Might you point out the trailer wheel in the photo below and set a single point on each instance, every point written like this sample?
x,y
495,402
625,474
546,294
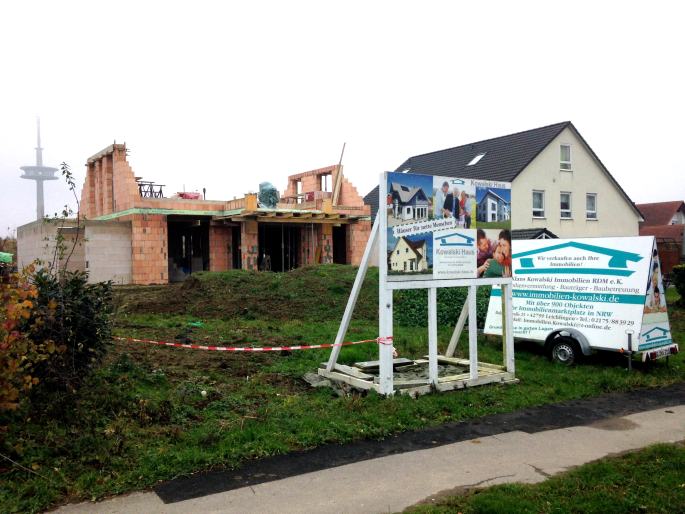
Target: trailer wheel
x,y
565,350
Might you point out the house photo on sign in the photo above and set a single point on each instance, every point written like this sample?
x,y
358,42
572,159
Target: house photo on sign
x,y
447,228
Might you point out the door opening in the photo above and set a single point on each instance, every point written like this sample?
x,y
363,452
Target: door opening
x,y
340,245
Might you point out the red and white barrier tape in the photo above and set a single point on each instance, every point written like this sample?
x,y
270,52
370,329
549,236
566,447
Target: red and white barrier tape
x,y
379,340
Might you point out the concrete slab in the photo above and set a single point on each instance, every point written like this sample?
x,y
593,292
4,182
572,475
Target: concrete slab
x,y
392,483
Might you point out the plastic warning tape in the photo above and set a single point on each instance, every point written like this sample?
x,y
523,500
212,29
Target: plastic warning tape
x,y
379,340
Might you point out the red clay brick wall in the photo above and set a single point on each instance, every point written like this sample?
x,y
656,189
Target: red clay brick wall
x,y
308,243
110,184
310,180
349,195
357,237
149,249
126,192
219,248
249,245
325,232
88,193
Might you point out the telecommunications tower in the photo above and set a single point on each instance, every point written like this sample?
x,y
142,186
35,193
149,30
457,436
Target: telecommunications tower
x,y
39,173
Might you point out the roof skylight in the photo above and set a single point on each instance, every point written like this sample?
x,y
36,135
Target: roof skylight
x,y
476,159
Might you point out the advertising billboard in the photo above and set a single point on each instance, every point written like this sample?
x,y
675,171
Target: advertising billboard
x,y
446,228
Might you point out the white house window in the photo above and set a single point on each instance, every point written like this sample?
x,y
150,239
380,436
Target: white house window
x,y
476,159
565,205
538,204
565,160
591,206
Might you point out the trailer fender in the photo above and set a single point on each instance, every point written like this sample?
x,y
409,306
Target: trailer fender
x,y
572,333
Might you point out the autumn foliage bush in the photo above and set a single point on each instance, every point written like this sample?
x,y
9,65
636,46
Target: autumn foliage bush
x,y
54,328
19,353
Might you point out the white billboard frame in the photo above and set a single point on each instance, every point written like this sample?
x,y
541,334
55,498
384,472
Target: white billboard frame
x,y
479,373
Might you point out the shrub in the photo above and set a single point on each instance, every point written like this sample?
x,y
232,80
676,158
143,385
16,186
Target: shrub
x,y
20,354
678,279
54,328
411,305
80,327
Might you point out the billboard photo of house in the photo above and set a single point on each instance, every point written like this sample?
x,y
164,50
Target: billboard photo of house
x,y
493,207
409,198
410,254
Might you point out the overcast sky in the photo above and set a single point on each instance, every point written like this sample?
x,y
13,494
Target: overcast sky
x,y
224,95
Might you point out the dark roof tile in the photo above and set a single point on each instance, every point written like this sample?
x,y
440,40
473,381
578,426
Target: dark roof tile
x,y
505,157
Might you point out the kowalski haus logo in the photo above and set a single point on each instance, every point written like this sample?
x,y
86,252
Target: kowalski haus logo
x,y
655,336
582,259
455,239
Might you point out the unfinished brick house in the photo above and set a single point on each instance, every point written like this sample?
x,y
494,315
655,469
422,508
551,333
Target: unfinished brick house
x,y
320,218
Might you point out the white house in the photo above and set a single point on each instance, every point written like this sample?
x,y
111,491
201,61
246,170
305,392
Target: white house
x,y
558,182
408,203
492,207
408,255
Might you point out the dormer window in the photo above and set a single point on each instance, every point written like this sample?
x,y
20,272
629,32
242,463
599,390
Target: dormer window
x,y
565,158
475,160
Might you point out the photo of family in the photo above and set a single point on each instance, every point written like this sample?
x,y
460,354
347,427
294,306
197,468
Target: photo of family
x,y
453,198
655,300
494,253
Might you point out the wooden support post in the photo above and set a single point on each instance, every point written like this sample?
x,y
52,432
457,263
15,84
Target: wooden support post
x,y
354,295
458,329
473,334
432,336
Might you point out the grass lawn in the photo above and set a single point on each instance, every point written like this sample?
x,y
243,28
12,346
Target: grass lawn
x,y
142,418
649,480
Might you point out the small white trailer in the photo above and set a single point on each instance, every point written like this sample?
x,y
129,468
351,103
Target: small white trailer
x,y
575,296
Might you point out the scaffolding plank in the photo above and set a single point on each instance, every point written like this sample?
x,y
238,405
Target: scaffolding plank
x,y
369,365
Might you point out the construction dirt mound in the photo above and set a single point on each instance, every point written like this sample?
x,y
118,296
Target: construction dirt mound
x,y
311,293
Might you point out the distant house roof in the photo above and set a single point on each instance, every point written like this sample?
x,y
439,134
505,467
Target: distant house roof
x,y
664,232
504,158
660,213
532,233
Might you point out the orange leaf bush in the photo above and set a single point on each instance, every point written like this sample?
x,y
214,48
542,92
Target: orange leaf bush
x,y
19,353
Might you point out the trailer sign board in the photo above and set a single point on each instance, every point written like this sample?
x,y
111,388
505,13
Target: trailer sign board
x,y
600,288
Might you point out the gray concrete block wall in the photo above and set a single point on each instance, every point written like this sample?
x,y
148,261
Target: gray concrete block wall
x,y
35,240
108,252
